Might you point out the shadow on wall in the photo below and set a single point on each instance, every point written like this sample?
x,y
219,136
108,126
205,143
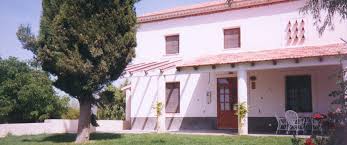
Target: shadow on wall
x,y
193,104
68,138
197,110
143,123
170,122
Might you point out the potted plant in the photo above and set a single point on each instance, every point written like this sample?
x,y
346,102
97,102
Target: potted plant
x,y
158,106
241,112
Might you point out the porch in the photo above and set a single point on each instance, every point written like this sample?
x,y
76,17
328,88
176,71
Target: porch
x,y
267,93
300,79
269,86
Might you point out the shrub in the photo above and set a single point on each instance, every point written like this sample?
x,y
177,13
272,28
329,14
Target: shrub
x,y
112,104
26,94
71,113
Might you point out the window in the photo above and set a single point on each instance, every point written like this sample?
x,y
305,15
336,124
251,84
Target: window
x,y
298,93
232,38
172,97
172,44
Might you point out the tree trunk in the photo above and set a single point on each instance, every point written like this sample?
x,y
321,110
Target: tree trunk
x,y
83,130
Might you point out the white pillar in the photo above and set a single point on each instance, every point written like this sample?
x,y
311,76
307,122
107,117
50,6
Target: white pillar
x,y
242,98
127,108
161,98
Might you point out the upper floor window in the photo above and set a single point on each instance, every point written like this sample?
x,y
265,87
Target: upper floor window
x,y
232,38
172,44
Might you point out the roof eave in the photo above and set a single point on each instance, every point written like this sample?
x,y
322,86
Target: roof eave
x,y
216,8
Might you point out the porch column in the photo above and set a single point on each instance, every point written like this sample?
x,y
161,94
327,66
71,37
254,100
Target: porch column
x,y
242,98
161,98
127,124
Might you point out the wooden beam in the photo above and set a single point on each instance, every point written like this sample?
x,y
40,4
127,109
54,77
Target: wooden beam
x,y
178,69
296,60
320,59
196,67
252,63
213,66
274,62
232,65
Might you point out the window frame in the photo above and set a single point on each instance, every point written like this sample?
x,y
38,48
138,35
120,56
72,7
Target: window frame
x,y
239,38
166,46
179,97
288,107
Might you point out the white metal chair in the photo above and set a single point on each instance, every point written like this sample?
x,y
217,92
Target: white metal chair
x,y
294,122
281,123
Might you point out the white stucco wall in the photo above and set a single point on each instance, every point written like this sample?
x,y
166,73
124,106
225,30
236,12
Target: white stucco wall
x,y
267,99
261,28
193,99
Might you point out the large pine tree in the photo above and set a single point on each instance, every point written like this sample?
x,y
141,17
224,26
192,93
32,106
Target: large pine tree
x,y
85,44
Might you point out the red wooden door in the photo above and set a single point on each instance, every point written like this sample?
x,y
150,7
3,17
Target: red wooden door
x,y
226,98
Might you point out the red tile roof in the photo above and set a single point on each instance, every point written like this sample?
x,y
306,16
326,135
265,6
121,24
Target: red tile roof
x,y
203,9
268,55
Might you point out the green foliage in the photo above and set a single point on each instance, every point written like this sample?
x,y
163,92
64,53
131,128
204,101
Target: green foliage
x,y
85,43
158,108
71,113
112,104
323,12
241,110
26,94
295,140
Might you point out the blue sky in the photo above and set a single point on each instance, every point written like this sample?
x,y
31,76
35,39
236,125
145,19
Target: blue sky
x,y
16,12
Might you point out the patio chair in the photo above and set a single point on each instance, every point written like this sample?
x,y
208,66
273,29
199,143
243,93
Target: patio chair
x,y
294,122
316,126
281,123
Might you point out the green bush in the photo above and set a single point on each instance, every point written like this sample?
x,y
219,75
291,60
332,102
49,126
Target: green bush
x,y
71,113
26,94
112,104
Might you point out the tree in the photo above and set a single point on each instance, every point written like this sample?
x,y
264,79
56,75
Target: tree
x,y
85,44
112,104
323,12
27,95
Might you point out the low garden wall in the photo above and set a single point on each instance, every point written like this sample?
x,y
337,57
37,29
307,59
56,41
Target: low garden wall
x,y
53,126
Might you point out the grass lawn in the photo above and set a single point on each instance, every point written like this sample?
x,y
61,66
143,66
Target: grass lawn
x,y
145,139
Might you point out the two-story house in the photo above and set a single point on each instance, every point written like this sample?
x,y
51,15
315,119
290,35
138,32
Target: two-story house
x,y
200,61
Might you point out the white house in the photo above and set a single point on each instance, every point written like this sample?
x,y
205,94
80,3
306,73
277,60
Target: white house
x,y
201,60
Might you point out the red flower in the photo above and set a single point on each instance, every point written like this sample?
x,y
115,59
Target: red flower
x,y
309,142
318,116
